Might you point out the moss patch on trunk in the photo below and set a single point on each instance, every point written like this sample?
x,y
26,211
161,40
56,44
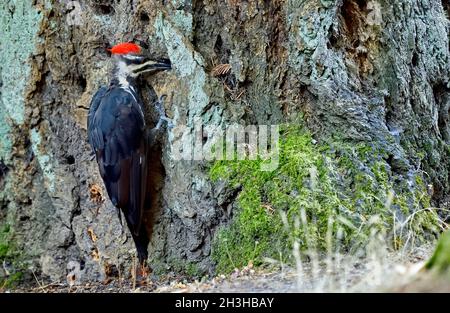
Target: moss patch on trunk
x,y
322,194
11,273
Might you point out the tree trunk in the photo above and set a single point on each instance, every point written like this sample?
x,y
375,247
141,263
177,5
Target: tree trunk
x,y
370,71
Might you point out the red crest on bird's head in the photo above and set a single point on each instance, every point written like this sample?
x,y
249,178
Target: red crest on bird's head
x,y
125,48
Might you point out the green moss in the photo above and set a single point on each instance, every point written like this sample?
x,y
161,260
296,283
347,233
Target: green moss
x,y
9,254
440,260
192,270
12,281
183,267
4,248
5,245
335,188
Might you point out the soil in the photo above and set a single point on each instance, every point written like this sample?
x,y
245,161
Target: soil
x,y
397,274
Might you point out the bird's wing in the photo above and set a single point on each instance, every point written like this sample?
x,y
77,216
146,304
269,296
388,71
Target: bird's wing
x,y
117,136
95,102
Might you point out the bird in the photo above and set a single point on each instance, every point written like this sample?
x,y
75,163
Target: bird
x,y
119,137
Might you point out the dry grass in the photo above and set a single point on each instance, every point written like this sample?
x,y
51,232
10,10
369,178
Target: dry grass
x,y
221,69
372,267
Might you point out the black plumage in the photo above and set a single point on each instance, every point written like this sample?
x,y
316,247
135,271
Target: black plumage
x,y
117,134
120,139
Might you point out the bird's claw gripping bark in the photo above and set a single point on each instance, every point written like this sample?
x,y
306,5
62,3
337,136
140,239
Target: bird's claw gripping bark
x,y
142,274
162,114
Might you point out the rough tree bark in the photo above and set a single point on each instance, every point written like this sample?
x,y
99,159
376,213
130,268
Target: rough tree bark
x,y
370,70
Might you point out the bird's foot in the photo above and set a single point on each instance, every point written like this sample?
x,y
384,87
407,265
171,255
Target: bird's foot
x,y
142,274
159,104
92,156
162,114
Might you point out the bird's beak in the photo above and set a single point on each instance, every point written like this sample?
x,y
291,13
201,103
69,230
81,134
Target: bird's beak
x,y
140,65
159,65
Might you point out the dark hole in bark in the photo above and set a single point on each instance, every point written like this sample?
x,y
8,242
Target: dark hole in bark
x,y
82,264
246,83
415,59
352,14
144,17
362,4
70,159
230,199
111,270
332,41
29,155
82,83
104,9
446,6
221,51
218,45
396,164
442,99
3,170
24,218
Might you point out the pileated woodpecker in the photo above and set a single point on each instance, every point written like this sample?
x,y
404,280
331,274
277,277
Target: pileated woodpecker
x,y
118,134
